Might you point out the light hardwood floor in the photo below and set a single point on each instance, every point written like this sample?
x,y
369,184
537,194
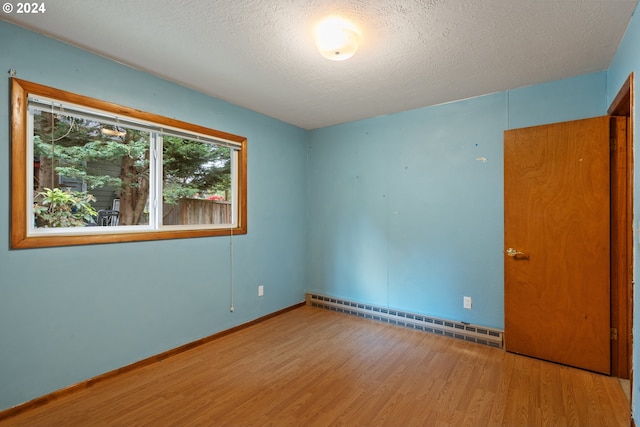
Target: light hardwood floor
x,y
314,367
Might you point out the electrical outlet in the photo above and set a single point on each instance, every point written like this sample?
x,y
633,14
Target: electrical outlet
x,y
466,302
260,290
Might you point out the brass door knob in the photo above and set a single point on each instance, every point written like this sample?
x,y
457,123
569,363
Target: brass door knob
x,y
514,252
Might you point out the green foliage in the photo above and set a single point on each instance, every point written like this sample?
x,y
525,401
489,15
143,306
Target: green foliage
x,y
75,143
193,168
58,208
78,150
92,181
172,192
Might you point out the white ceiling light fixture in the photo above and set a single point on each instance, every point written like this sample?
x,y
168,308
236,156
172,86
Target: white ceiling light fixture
x,y
337,38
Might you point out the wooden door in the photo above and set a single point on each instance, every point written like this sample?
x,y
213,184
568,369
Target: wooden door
x,y
557,293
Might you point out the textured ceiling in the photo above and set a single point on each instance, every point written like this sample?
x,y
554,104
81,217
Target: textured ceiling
x,y
260,54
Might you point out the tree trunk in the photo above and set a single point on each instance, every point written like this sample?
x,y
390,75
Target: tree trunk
x,y
46,173
134,192
143,194
128,193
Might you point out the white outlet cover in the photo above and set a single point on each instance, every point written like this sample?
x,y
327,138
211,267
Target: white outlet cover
x,y
260,290
467,302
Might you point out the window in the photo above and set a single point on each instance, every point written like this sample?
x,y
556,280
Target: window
x,y
87,171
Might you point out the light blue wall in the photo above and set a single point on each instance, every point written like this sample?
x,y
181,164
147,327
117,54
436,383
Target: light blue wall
x,y
626,61
394,210
404,212
68,314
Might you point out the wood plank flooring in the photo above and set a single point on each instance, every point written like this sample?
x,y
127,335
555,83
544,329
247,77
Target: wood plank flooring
x,y
313,367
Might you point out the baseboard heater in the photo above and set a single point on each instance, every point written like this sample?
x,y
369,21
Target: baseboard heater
x,y
460,330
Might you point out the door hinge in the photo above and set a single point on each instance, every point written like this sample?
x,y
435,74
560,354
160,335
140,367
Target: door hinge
x,y
613,334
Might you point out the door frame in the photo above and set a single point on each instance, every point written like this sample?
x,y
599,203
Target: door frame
x,y
622,236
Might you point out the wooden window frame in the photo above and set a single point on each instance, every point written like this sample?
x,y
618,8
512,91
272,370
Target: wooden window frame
x,y
20,239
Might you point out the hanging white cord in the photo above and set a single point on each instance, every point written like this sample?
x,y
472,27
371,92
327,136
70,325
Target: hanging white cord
x,y
54,139
53,148
231,308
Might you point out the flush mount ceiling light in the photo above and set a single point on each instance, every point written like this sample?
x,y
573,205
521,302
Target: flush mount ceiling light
x,y
337,38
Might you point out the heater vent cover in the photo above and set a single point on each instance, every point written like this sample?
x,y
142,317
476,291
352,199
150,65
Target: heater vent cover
x,y
460,330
